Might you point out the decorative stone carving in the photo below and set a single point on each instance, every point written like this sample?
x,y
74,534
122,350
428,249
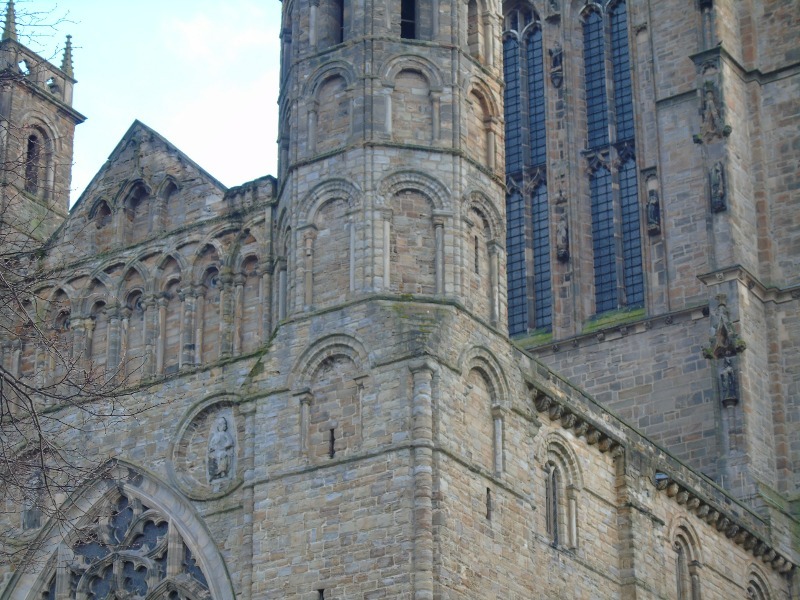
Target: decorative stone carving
x,y
729,392
718,193
712,126
562,238
556,64
653,213
128,551
724,340
31,505
206,452
221,447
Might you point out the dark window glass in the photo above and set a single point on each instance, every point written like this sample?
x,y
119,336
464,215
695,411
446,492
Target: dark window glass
x,y
543,297
631,235
408,19
623,95
605,270
32,159
535,67
594,65
515,268
513,105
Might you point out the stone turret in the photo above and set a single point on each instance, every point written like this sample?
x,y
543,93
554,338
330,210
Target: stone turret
x,y
38,124
390,160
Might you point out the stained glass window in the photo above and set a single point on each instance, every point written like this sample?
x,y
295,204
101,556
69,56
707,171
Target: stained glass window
x,y
529,287
618,269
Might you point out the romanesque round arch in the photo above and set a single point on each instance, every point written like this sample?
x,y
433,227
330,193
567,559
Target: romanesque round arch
x,y
411,62
482,359
309,362
419,181
322,74
329,189
557,448
480,203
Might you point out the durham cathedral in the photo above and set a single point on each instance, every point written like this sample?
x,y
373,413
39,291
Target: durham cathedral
x,y
518,317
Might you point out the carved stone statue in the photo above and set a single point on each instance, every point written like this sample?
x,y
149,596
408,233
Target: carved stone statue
x,y
556,64
727,381
712,122
220,451
562,238
653,213
718,193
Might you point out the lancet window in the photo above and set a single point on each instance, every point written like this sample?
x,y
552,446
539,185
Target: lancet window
x,y
527,206
616,231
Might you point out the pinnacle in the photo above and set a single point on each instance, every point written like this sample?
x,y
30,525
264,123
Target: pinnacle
x,y
10,28
66,63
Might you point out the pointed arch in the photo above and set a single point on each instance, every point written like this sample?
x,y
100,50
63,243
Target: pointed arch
x,y
141,506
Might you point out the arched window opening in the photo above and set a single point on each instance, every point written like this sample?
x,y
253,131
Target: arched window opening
x,y
756,589
616,223
529,270
33,166
140,554
408,19
687,566
595,73
553,501
137,214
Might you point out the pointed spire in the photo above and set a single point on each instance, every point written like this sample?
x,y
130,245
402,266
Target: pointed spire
x,y
66,63
10,28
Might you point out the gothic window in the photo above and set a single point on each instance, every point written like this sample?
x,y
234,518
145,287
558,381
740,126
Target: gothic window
x,y
562,483
137,214
687,579
616,229
33,160
408,19
756,589
527,206
552,501
130,550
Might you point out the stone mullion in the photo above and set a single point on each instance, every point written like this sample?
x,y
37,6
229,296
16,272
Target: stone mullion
x,y
225,313
283,291
112,341
124,341
188,320
150,323
200,299
438,230
265,301
422,441
498,435
161,349
495,251
183,328
175,551
238,312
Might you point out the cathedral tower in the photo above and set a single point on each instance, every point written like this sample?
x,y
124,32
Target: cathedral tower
x,y
37,123
390,167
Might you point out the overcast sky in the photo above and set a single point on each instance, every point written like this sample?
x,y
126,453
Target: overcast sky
x,y
203,73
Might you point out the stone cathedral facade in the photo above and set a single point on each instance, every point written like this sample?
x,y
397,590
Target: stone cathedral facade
x,y
517,318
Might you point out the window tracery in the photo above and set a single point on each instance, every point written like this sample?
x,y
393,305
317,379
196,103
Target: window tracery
x,y
616,235
129,551
527,206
